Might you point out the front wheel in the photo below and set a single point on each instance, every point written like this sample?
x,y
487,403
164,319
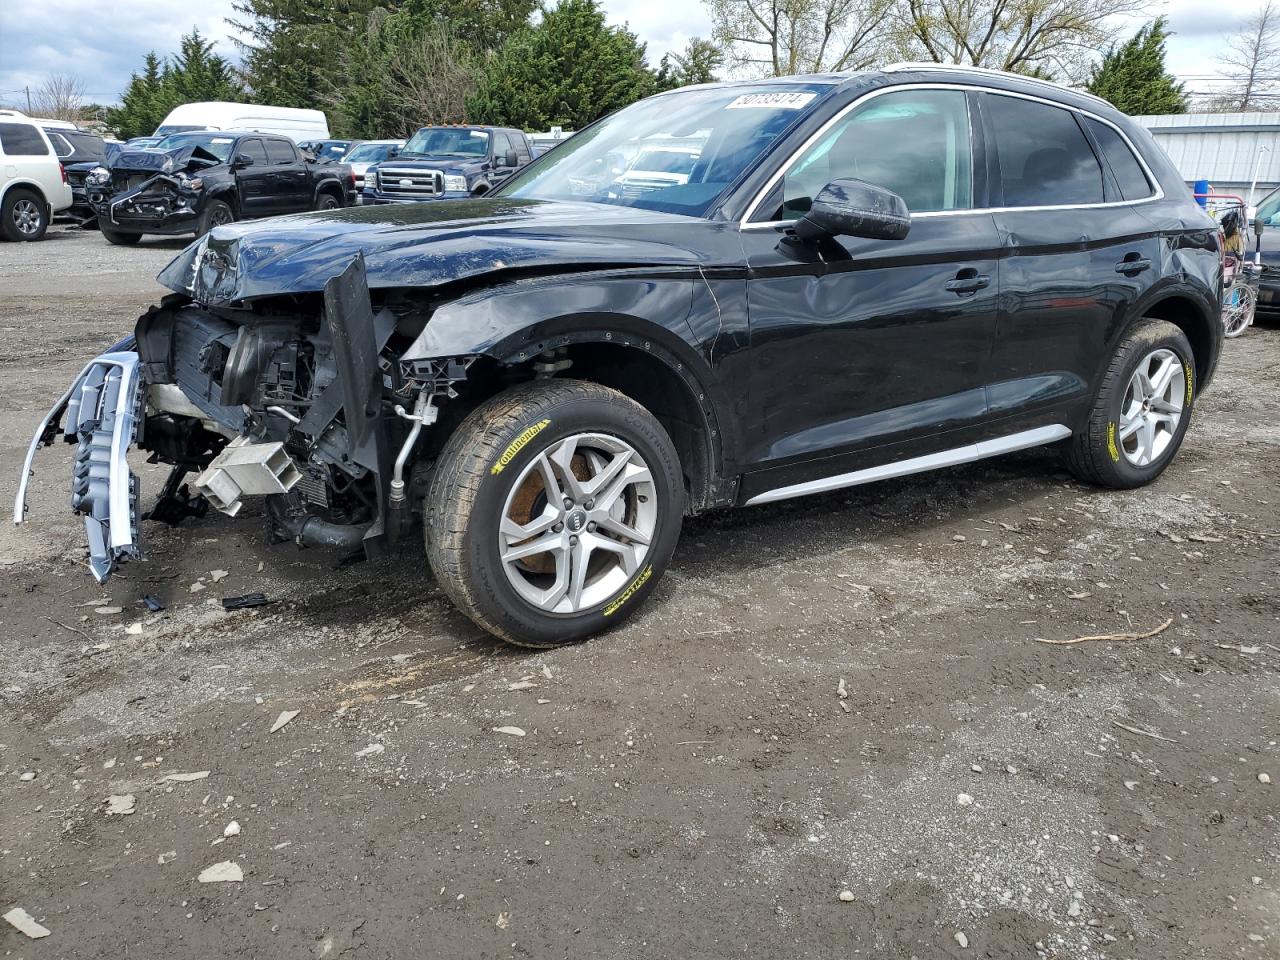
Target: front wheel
x,y
553,511
216,213
1141,411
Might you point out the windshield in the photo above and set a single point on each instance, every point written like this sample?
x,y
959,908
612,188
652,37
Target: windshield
x,y
330,149
216,144
447,142
172,128
370,153
726,127
1269,210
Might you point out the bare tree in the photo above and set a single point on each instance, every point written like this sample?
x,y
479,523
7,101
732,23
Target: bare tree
x,y
433,77
60,97
1051,38
781,37
1252,62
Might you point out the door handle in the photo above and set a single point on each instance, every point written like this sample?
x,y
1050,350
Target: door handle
x,y
1133,263
968,281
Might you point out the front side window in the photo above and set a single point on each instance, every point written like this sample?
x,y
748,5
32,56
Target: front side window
x,y
913,142
718,133
501,146
1044,157
22,140
1129,175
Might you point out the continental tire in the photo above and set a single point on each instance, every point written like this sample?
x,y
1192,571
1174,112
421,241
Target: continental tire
x,y
553,511
1141,411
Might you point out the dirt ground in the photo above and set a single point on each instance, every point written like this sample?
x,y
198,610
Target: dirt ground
x,y
691,786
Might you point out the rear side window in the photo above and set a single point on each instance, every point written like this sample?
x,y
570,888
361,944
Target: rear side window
x,y
255,149
280,151
61,145
1045,159
22,140
522,148
1133,182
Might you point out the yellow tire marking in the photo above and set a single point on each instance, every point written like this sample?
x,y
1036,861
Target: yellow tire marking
x,y
518,444
1111,443
627,594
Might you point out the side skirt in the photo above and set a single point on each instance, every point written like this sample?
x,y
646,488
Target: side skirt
x,y
945,458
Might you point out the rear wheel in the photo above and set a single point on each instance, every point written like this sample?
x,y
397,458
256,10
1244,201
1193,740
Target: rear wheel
x,y
1141,411
25,216
327,201
553,511
118,238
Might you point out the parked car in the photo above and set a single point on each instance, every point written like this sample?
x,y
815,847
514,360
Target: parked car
x,y
192,182
294,123
658,167
864,276
33,185
1267,244
327,150
441,163
361,157
79,153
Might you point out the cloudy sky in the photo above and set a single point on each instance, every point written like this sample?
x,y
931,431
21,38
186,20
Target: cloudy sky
x,y
103,41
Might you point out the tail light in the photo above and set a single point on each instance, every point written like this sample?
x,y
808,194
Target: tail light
x,y
63,168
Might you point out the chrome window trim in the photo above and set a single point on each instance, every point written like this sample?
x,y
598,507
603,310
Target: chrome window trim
x,y
745,224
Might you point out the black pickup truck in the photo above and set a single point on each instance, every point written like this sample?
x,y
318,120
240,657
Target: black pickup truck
x,y
444,163
193,182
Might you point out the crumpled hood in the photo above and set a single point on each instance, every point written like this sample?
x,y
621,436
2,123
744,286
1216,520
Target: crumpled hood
x,y
424,244
162,161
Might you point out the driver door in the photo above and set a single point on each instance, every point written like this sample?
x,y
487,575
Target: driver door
x,y
870,352
254,181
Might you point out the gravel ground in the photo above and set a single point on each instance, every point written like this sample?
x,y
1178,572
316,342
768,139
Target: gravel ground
x,y
693,785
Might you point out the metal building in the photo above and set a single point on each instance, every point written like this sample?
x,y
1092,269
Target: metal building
x,y
1229,150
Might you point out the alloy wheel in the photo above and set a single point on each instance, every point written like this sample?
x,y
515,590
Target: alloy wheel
x,y
26,217
1152,407
578,522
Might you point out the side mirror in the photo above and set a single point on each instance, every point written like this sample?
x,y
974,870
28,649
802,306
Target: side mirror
x,y
510,160
242,160
393,152
855,208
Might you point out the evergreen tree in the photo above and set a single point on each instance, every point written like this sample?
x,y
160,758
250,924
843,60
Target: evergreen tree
x,y
697,63
1132,76
569,69
193,74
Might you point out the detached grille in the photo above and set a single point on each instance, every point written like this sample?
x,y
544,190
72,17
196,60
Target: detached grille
x,y
410,184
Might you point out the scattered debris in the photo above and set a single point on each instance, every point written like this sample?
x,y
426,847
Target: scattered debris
x,y
28,776
1111,636
109,611
154,604
1264,778
1238,647
962,939
23,922
546,672
964,799
121,804
372,750
521,685
846,896
134,629
286,716
188,777
841,690
509,731
217,575
245,601
167,857
503,921
1141,732
228,871
232,829
1082,595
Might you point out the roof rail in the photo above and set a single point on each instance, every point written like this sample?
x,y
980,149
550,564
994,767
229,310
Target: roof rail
x,y
988,71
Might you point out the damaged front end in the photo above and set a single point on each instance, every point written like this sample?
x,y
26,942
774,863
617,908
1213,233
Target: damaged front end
x,y
300,400
149,191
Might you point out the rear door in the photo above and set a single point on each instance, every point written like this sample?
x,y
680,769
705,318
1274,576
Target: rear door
x,y
254,181
291,184
1077,254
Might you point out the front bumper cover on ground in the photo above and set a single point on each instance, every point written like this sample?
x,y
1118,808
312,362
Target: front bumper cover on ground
x,y
103,417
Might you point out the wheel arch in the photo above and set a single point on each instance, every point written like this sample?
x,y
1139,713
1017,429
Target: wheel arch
x,y
1203,328
26,184
332,187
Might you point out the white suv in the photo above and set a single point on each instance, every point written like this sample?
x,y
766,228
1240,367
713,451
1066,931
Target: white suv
x,y
33,184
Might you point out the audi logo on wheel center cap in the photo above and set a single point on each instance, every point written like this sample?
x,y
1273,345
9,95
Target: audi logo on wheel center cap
x,y
576,521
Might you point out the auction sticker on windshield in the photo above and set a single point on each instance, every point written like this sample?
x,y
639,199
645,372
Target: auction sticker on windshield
x,y
771,101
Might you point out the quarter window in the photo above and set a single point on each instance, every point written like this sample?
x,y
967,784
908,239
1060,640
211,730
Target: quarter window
x,y
1045,159
913,142
1132,181
22,140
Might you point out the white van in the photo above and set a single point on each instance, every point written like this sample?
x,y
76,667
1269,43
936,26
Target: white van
x,y
296,124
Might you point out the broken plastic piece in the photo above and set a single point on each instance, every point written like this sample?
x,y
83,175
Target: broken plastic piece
x,y
245,467
154,604
245,601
